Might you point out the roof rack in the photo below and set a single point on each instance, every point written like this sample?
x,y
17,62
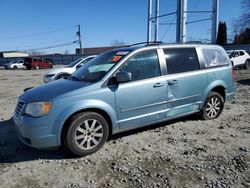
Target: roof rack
x,y
147,43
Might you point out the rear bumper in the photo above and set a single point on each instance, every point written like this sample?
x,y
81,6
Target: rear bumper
x,y
230,93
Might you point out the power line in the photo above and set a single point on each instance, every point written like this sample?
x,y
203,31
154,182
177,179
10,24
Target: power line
x,y
39,34
54,46
51,42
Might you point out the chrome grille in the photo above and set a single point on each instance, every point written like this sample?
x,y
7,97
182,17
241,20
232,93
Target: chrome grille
x,y
19,108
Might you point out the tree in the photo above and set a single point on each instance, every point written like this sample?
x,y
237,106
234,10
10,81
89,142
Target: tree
x,y
222,34
243,37
117,43
244,20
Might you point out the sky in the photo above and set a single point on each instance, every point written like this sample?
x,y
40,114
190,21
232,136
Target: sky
x,y
34,24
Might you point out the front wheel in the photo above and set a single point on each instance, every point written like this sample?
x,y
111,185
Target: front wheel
x,y
213,106
87,133
37,67
62,76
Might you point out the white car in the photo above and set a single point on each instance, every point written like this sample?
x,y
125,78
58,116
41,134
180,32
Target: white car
x,y
17,64
239,58
66,71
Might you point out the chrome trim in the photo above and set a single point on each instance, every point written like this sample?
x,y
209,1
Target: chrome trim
x,y
159,103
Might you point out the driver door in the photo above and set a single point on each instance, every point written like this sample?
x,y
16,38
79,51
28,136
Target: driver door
x,y
142,100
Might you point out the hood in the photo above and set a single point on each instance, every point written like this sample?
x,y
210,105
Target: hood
x,y
58,70
47,92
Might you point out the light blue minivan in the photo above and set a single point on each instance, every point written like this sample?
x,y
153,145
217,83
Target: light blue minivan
x,y
125,89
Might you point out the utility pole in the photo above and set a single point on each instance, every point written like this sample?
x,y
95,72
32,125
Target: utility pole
x,y
149,21
181,25
215,14
78,33
157,10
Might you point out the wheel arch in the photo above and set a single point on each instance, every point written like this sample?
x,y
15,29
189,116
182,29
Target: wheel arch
x,y
218,86
61,73
96,110
221,90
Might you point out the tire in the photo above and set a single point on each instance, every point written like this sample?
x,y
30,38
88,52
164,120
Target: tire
x,y
213,106
247,64
86,134
62,76
37,67
15,67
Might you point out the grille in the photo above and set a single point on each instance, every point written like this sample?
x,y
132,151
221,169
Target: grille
x,y
19,108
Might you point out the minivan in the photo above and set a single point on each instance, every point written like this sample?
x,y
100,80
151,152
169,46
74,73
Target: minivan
x,y
124,89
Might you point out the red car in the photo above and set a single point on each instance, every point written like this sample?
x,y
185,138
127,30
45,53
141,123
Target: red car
x,y
37,63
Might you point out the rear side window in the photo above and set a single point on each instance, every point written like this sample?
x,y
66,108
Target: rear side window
x,y
241,53
181,60
214,57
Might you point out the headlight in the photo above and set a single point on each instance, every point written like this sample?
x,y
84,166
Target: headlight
x,y
38,109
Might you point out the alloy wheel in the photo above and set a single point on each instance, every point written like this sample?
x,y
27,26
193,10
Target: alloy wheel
x,y
89,134
213,107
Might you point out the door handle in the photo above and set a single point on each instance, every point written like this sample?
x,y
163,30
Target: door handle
x,y
158,85
173,82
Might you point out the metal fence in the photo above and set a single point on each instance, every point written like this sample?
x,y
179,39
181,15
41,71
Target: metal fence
x,y
57,59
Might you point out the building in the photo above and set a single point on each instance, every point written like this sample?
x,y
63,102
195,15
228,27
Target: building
x,y
96,50
13,54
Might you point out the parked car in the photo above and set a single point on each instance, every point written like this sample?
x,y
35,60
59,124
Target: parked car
x,y
17,64
239,58
66,71
37,63
125,89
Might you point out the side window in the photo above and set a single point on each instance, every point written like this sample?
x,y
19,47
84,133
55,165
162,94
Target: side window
x,y
181,60
214,57
241,53
142,66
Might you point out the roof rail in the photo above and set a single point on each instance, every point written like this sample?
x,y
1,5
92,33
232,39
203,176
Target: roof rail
x,y
147,43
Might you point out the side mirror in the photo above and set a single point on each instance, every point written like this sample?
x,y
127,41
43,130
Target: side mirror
x,y
123,76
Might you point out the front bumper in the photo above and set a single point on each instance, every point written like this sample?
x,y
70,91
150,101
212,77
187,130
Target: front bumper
x,y
48,79
35,133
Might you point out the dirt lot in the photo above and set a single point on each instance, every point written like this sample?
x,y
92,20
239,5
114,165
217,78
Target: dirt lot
x,y
183,153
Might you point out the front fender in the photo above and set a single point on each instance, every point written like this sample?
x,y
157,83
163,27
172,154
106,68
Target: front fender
x,y
83,105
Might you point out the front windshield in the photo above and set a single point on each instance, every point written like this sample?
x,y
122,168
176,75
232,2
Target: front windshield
x,y
12,62
72,64
97,68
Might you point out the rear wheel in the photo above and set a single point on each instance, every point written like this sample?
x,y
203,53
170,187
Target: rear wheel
x,y
213,106
247,64
86,133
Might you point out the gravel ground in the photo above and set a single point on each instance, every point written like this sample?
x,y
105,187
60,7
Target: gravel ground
x,y
186,152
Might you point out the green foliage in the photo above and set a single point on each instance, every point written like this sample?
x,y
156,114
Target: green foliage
x,y
243,37
222,34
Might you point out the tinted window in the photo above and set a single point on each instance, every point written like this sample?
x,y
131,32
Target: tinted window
x,y
181,60
214,57
241,53
142,66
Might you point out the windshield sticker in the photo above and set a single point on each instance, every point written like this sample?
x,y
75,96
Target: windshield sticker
x,y
116,58
122,53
